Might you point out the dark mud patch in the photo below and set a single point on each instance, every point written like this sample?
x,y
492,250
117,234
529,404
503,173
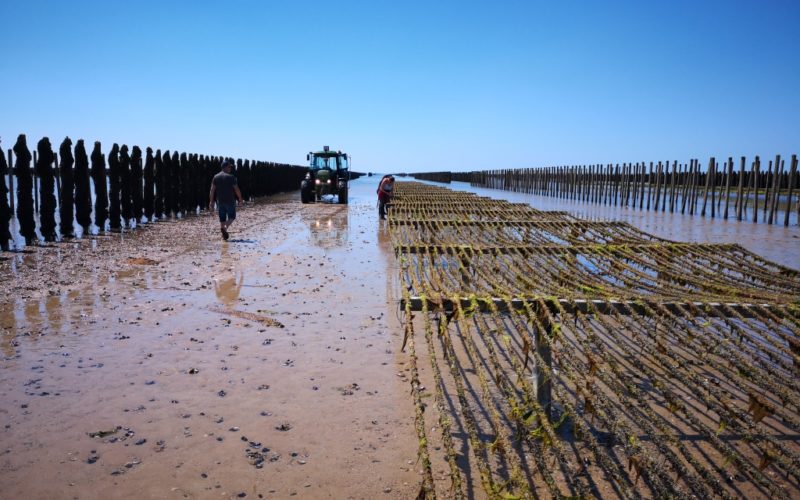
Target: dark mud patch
x,y
257,318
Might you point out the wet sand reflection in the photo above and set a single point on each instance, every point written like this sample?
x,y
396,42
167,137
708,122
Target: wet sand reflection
x,y
330,230
228,289
8,327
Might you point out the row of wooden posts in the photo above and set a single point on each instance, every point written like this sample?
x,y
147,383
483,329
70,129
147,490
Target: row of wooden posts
x,y
688,188
125,188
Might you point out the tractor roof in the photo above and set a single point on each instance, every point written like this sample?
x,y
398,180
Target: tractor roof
x,y
328,154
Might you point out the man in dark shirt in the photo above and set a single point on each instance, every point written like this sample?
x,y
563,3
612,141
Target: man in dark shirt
x,y
223,190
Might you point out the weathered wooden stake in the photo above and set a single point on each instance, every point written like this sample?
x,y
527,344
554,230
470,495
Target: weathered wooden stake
x,y
11,181
770,178
776,188
756,168
672,186
543,384
740,199
792,171
57,175
665,187
685,189
35,184
713,175
724,174
728,186
658,186
708,180
693,186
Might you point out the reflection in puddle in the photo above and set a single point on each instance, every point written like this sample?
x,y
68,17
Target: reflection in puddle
x,y
8,327
33,317
126,273
229,287
329,231
33,313
52,306
228,290
384,237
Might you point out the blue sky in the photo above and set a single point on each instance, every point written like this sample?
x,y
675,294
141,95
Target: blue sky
x,y
409,86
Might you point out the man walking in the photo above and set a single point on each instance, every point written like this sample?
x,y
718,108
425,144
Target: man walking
x,y
223,189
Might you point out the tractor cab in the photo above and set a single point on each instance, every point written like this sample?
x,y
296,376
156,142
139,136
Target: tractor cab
x,y
328,173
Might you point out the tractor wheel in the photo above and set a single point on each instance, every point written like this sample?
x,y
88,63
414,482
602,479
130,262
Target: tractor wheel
x,y
343,196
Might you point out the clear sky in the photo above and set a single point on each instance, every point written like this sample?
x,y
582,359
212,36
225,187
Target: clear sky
x,y
407,85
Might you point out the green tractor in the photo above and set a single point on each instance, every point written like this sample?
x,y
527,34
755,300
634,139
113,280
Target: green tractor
x,y
328,173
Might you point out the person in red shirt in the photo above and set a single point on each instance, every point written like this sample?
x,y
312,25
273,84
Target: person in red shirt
x,y
385,192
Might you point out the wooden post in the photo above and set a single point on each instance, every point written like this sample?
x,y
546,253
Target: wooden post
x,y
724,174
641,187
542,383
584,179
590,183
588,188
599,177
11,181
740,191
629,184
596,181
554,191
693,186
792,171
798,212
586,185
35,184
576,179
728,186
623,195
713,174
658,186
776,189
626,168
665,186
708,180
57,175
749,187
692,178
756,168
638,197
685,189
770,178
565,187
672,186
633,185
604,177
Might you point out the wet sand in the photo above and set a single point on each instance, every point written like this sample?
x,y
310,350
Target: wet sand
x,y
170,364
